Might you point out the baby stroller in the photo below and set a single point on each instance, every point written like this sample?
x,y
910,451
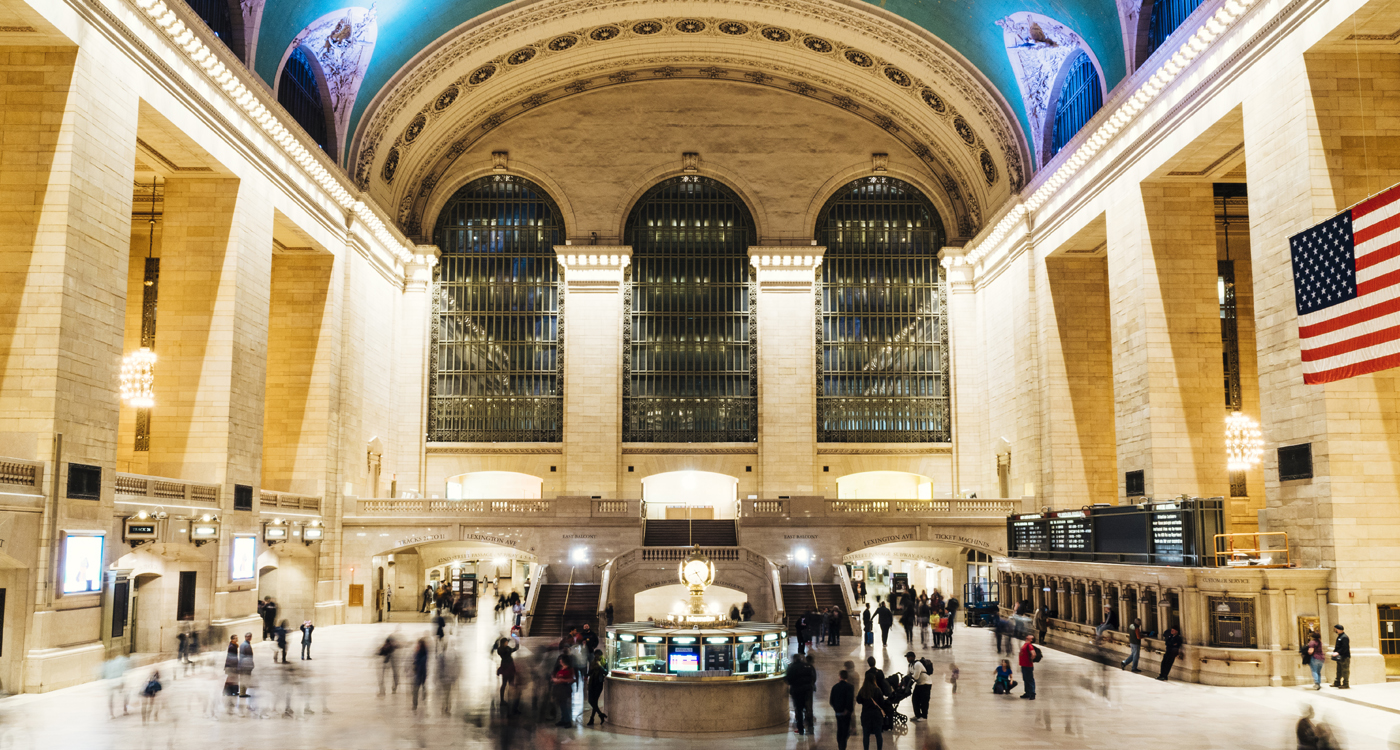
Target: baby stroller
x,y
901,687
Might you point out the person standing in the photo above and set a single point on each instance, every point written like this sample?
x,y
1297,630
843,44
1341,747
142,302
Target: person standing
x,y
306,628
561,686
1029,656
504,648
907,618
923,686
608,613
833,626
872,716
1341,651
245,665
420,671
427,599
1134,646
597,675
1172,641
923,621
843,704
886,619
747,611
867,619
952,606
801,680
448,671
280,635
1314,652
269,614
1042,621
802,635
388,664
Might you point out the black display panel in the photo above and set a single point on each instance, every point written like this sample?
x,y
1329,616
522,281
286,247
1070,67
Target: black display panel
x,y
1028,534
1071,533
719,658
1120,530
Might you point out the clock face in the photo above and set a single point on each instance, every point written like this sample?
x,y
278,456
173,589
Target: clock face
x,y
696,571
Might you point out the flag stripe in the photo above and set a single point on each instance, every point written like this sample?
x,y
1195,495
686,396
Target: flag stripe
x,y
1364,288
1379,268
1369,230
1364,341
1354,358
1351,370
1376,207
1331,325
1366,257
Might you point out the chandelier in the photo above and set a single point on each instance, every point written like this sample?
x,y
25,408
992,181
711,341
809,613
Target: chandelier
x,y
138,378
1244,443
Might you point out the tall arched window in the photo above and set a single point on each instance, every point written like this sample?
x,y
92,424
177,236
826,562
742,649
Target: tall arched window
x,y
688,363
1081,96
299,93
216,14
495,356
884,359
1167,16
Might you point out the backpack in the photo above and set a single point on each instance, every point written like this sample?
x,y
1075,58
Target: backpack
x,y
1035,654
928,664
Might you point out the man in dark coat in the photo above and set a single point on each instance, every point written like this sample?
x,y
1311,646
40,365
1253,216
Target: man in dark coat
x,y
886,619
269,615
843,704
801,680
1342,650
1173,644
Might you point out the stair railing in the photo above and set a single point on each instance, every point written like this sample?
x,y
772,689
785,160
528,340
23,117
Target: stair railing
x,y
567,590
779,611
532,598
603,589
811,589
848,595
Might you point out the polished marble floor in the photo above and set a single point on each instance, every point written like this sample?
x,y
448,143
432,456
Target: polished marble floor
x,y
1081,705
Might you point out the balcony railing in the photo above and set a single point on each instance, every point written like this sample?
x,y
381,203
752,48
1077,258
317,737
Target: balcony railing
x,y
166,491
530,508
937,508
21,484
285,501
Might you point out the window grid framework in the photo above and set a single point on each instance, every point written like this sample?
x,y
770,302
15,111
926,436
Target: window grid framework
x,y
496,355
215,13
298,93
1081,97
1167,16
883,361
689,363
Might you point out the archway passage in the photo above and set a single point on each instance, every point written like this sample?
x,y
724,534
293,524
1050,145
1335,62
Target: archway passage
x,y
673,599
689,495
413,581
491,485
953,570
884,485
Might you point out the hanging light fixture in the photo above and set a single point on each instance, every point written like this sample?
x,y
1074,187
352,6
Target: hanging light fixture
x,y
1244,442
138,378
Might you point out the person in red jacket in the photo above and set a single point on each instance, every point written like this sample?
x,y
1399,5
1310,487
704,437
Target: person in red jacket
x,y
1029,656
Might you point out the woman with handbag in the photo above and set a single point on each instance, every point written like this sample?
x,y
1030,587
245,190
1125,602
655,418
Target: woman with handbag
x,y
872,715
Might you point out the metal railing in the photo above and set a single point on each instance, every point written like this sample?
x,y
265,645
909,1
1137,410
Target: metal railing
x,y
1259,549
939,508
532,597
166,491
270,500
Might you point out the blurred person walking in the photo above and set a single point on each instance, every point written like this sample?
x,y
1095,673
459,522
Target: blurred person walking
x,y
448,672
1315,658
843,704
281,640
801,680
114,671
245,666
872,716
504,648
597,677
562,690
387,663
420,671
150,710
1134,646
886,619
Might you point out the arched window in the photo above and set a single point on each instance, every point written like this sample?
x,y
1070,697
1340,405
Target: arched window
x,y
1167,16
688,362
884,360
216,14
495,351
299,93
1081,96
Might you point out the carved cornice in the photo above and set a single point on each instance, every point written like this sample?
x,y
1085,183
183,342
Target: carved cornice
x,y
932,450
692,451
475,450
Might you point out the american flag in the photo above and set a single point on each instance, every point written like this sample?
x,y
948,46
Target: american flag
x,y
1346,280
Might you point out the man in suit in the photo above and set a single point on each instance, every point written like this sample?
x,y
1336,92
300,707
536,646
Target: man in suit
x,y
843,704
886,618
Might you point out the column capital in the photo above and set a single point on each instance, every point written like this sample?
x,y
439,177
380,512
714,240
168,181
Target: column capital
x,y
792,269
960,273
418,271
598,268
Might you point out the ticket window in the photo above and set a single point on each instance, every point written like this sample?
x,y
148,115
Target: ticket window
x,y
1389,629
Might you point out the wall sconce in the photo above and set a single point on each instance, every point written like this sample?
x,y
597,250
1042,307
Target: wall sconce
x,y
312,532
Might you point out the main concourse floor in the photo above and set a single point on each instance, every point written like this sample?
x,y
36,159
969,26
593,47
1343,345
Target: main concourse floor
x,y
1081,705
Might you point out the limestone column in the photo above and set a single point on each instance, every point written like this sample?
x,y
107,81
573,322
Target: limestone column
x,y
1318,142
68,159
1169,405
973,467
411,372
594,313
787,351
211,378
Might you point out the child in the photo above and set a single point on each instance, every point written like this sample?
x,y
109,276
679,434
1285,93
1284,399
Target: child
x,y
1003,683
953,673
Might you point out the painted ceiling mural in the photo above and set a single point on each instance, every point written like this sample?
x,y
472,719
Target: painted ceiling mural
x,y
405,28
1038,47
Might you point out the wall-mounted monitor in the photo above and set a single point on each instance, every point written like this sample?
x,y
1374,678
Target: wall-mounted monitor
x,y
82,563
243,562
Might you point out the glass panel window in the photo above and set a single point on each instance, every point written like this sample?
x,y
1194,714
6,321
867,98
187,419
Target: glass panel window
x,y
884,361
1081,96
299,93
1167,16
689,367
495,355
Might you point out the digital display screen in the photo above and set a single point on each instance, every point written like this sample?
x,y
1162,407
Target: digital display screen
x,y
206,531
142,528
243,562
311,532
82,563
276,532
685,659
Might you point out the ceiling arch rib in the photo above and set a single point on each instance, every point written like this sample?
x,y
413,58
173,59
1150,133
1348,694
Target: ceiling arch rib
x,y
910,79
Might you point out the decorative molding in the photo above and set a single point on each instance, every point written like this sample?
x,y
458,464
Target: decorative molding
x,y
18,30
167,163
933,450
593,267
442,449
689,451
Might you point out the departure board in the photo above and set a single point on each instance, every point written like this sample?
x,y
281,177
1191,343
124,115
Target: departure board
x,y
1028,534
1071,533
1169,534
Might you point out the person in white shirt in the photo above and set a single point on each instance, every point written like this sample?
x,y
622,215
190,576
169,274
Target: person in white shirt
x,y
923,686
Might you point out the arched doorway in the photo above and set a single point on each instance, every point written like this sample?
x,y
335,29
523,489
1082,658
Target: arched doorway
x,y
494,485
475,572
690,494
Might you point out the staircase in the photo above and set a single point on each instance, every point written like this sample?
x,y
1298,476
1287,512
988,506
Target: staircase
x,y
801,598
553,617
682,533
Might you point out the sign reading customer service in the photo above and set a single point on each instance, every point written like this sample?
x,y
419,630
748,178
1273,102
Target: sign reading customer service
x,y
243,561
82,563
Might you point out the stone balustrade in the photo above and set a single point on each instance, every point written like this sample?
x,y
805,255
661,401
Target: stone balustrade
x,y
21,484
502,508
165,491
937,508
274,501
